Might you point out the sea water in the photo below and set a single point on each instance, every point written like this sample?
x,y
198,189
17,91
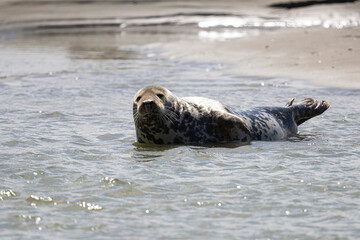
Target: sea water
x,y
70,167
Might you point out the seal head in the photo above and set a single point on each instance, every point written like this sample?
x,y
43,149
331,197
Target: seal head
x,y
154,111
162,118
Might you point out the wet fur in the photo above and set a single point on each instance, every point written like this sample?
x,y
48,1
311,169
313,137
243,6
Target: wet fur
x,y
162,118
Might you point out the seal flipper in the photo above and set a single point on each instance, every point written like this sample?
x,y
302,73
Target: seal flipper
x,y
290,102
230,127
307,108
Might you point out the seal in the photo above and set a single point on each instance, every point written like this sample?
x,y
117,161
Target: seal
x,y
161,117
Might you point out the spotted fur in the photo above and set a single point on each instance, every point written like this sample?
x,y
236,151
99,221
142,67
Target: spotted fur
x,y
162,118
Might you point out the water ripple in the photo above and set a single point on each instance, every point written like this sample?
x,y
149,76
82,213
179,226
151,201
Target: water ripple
x,y
68,151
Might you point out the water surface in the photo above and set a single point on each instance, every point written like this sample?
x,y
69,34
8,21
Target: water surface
x,y
70,167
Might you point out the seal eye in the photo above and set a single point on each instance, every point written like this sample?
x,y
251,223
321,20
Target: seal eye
x,y
159,95
138,98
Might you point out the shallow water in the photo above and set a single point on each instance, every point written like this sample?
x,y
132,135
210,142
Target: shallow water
x,y
70,167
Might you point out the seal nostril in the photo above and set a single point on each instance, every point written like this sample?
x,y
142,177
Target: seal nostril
x,y
138,98
147,106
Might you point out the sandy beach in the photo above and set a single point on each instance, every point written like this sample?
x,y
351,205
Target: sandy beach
x,y
324,53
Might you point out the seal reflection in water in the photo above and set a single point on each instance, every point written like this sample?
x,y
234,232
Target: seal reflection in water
x,y
163,118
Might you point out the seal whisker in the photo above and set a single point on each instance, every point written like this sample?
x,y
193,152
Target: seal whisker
x,y
165,119
136,117
168,117
171,113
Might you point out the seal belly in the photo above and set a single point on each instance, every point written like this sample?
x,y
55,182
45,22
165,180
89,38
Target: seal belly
x,y
270,123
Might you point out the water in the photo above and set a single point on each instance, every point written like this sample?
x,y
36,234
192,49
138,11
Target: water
x,y
70,167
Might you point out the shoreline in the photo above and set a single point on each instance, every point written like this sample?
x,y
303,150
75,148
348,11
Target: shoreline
x,y
323,56
305,54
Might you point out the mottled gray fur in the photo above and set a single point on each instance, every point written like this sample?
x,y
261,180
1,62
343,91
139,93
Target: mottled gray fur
x,y
162,118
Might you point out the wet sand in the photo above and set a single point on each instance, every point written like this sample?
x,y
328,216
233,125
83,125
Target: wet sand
x,y
324,56
327,57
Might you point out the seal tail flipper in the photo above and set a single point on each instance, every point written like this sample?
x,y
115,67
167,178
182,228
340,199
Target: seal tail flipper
x,y
307,108
290,102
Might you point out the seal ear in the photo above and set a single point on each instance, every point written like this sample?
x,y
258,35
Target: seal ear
x,y
230,127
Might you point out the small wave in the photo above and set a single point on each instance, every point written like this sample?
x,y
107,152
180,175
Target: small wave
x,y
90,206
55,114
205,20
213,20
333,21
114,181
108,136
18,143
6,194
33,199
80,140
28,218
